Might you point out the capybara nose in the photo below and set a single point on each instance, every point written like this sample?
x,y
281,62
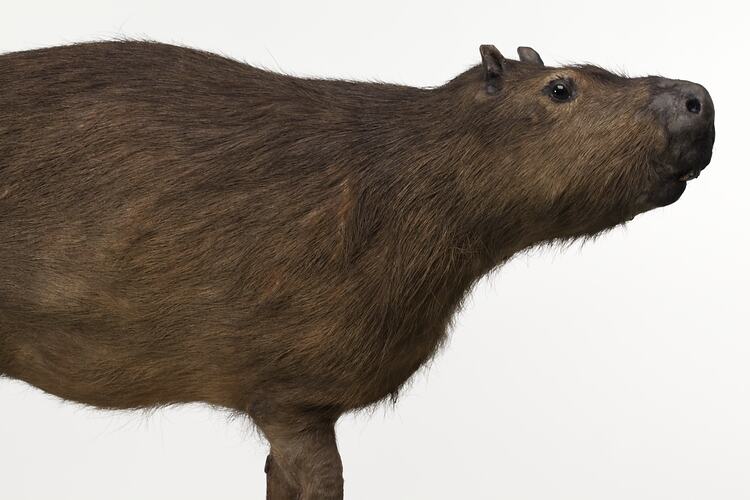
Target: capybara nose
x,y
696,100
687,113
685,106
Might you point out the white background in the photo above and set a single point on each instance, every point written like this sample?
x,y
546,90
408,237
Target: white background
x,y
619,369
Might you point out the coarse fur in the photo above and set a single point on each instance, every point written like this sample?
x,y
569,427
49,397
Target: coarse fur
x,y
181,227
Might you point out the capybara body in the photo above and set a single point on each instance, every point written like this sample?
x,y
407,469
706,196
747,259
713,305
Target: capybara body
x,y
177,226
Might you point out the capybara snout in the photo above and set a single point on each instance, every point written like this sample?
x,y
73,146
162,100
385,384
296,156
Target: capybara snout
x,y
686,111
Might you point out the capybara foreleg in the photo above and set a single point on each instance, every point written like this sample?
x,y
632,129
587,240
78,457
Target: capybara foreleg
x,y
278,485
304,458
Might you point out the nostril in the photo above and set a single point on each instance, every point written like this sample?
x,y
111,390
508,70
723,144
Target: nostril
x,y
693,105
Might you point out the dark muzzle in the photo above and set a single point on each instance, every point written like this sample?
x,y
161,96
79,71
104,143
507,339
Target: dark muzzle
x,y
687,113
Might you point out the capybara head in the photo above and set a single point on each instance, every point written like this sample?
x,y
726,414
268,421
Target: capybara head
x,y
580,149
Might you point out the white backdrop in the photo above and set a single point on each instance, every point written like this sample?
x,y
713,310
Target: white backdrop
x,y
615,370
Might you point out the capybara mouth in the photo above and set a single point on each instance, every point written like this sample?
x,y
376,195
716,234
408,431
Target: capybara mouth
x,y
668,192
693,174
685,174
688,165
672,181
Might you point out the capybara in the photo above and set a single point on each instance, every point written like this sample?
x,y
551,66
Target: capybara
x,y
178,226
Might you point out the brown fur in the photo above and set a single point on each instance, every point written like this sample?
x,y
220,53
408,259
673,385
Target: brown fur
x,y
177,226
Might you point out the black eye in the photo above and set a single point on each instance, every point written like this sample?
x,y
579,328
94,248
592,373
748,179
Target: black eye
x,y
560,92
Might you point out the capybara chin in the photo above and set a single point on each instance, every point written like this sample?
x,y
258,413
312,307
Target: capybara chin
x,y
177,226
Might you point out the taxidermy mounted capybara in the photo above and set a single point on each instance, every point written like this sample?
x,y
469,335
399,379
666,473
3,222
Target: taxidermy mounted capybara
x,y
181,227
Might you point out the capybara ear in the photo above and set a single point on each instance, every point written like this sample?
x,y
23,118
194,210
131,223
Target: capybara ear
x,y
492,63
529,55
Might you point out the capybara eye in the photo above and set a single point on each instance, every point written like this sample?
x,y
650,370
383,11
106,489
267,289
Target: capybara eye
x,y
560,92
